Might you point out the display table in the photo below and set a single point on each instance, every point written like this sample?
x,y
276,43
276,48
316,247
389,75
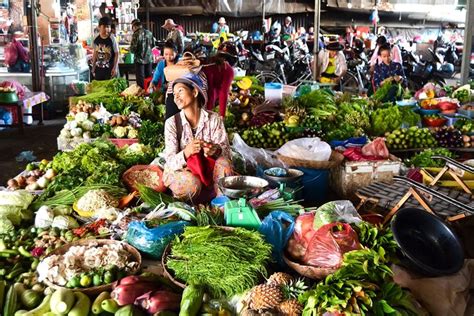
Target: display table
x,y
30,100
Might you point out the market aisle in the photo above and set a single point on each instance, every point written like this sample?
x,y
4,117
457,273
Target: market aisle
x,y
39,139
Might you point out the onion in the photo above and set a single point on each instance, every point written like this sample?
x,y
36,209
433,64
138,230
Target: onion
x,y
21,180
31,180
12,184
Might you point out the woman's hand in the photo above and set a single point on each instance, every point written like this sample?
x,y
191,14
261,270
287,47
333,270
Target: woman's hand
x,y
211,150
192,148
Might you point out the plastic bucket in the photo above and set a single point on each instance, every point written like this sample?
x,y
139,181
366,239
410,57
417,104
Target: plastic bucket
x,y
315,184
220,201
273,91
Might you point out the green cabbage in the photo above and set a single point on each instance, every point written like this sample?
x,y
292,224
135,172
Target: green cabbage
x,y
5,225
14,205
64,222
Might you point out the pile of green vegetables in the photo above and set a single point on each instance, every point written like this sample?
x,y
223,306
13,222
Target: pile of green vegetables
x,y
152,133
413,137
225,262
391,117
363,285
105,92
424,160
99,162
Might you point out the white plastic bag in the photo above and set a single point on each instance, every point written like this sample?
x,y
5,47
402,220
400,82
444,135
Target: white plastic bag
x,y
254,156
307,149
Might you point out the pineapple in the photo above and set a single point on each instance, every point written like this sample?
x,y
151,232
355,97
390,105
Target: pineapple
x,y
249,312
290,308
265,296
294,289
280,279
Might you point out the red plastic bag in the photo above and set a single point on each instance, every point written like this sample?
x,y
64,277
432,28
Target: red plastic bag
x,y
355,154
327,246
376,148
302,235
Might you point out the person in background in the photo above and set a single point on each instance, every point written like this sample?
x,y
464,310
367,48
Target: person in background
x,y
222,26
387,68
141,46
288,28
17,57
11,29
332,63
220,74
349,37
193,131
170,57
396,54
175,34
106,52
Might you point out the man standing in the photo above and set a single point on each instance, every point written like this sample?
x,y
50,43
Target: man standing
x,y
222,26
175,34
106,52
141,46
288,28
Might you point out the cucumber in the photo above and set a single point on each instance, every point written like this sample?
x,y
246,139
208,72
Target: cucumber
x,y
109,305
96,308
11,302
82,306
62,301
42,309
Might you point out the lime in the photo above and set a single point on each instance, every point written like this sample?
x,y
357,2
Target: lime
x,y
85,281
108,277
96,280
75,282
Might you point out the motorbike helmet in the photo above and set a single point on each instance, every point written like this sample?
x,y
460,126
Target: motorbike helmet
x,y
228,50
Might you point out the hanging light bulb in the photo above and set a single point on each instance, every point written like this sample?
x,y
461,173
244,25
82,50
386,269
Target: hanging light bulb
x,y
349,4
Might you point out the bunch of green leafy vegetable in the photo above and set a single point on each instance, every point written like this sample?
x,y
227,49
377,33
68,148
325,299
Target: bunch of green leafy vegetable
x,y
385,119
362,286
226,262
424,160
319,103
409,117
375,237
355,114
136,154
388,92
115,85
151,133
99,162
144,107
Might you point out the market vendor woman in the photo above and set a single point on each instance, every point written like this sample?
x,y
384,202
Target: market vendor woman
x,y
190,134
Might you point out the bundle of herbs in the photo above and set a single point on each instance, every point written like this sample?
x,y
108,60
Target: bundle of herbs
x,y
225,261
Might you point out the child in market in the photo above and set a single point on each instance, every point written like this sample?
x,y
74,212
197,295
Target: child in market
x,y
106,52
170,53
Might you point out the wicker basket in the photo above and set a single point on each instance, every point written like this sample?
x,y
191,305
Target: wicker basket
x,y
132,184
311,272
96,289
167,273
334,160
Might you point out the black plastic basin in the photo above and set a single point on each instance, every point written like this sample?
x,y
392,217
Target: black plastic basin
x,y
427,244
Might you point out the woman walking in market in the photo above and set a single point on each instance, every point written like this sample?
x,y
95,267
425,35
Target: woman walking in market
x,y
170,54
217,77
106,52
197,148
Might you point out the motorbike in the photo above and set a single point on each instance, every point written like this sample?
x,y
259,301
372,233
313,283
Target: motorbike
x,y
419,71
357,77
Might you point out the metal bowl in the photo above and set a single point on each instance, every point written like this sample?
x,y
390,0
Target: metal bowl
x,y
239,186
292,176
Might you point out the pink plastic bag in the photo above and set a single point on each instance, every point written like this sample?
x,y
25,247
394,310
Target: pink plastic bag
x,y
302,235
327,246
376,148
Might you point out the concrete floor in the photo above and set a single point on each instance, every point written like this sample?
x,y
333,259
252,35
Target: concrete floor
x,y
39,139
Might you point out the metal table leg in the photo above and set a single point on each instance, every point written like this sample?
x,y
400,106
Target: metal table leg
x,y
20,118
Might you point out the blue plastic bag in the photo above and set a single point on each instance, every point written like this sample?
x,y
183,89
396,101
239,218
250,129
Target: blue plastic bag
x,y
351,142
153,241
277,229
